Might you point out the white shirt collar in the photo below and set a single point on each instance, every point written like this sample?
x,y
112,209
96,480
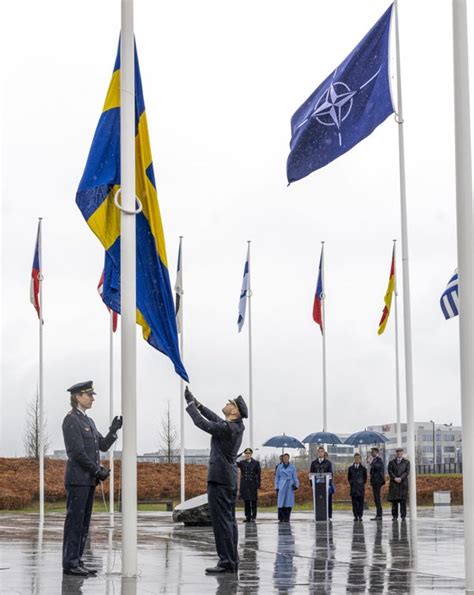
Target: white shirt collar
x,y
81,410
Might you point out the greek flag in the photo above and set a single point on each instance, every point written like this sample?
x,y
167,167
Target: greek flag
x,y
244,292
450,300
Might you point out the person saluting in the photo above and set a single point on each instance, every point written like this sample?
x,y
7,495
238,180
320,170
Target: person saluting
x,y
83,472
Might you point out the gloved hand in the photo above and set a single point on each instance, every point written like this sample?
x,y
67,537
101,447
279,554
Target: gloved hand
x,y
102,474
294,487
277,492
190,398
116,424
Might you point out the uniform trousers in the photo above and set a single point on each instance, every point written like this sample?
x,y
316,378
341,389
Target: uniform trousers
x,y
80,500
358,506
376,488
222,499
250,509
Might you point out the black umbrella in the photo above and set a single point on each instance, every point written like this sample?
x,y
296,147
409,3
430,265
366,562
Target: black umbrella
x,y
283,441
322,438
366,437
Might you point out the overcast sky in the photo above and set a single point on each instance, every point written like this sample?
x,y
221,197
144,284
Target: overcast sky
x,y
221,81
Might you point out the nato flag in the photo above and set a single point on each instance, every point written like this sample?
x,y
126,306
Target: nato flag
x,y
345,108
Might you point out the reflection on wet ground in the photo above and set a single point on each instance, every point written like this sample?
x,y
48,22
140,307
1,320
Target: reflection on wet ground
x,y
300,557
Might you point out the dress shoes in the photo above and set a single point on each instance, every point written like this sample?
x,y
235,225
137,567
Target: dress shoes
x,y
220,570
376,518
82,572
90,571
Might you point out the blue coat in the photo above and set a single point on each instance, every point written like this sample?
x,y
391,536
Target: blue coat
x,y
285,479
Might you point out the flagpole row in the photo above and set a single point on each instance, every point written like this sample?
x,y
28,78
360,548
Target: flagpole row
x,y
249,298
40,381
464,212
397,355
111,416
128,292
406,285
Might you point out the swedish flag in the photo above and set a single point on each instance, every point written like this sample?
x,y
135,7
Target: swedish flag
x,y
95,199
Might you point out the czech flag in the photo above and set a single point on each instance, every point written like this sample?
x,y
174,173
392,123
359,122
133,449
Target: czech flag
x,y
319,295
36,274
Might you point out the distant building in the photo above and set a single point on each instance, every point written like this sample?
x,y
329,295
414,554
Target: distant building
x,y
434,443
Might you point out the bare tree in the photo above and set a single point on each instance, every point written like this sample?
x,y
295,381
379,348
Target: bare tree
x,y
31,439
168,437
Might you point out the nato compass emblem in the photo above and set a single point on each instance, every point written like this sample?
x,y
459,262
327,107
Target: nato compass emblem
x,y
335,104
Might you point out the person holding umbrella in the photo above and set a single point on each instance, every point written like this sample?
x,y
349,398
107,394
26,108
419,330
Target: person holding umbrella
x,y
250,482
286,482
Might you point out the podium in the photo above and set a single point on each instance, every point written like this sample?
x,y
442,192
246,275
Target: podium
x,y
320,482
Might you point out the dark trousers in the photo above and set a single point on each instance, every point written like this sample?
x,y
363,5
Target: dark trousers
x,y
222,499
329,506
358,506
403,508
376,488
250,509
80,500
284,514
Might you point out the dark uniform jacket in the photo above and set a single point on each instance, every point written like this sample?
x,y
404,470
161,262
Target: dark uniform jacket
x,y
357,479
225,444
377,472
250,479
83,443
398,491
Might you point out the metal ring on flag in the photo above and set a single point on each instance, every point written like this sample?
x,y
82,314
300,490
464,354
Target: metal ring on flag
x,y
119,206
398,119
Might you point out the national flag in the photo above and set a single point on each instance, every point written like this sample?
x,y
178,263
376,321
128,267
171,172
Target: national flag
x,y
450,298
244,292
36,274
351,102
178,288
319,295
100,289
95,199
388,296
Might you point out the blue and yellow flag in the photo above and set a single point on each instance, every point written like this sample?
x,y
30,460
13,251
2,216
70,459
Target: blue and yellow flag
x,y
95,199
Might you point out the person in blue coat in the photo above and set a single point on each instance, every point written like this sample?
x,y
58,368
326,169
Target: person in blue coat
x,y
286,482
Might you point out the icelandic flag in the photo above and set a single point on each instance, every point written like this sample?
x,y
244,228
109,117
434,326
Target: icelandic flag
x,y
346,107
319,295
244,293
100,289
36,274
178,288
450,299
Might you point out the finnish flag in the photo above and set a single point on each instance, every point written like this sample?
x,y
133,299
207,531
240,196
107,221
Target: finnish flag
x,y
244,292
450,300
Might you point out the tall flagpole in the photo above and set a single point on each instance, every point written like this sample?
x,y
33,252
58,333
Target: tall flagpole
x,y
128,293
249,297
181,381
397,356
323,313
111,416
406,285
465,269
40,388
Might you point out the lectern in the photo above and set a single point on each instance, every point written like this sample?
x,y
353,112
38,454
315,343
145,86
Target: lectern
x,y
320,483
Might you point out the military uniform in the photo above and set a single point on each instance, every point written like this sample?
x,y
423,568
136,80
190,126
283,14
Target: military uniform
x,y
222,478
83,442
250,482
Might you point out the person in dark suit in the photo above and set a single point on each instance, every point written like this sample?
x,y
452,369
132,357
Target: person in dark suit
x,y
83,472
398,471
357,478
377,480
250,482
323,465
222,474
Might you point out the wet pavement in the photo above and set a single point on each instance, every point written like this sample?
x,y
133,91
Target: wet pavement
x,y
300,557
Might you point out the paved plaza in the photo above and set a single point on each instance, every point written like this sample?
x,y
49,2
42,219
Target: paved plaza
x,y
301,557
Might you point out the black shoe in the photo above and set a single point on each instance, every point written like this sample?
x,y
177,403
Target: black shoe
x,y
360,519
395,519
90,571
220,570
246,520
82,572
404,518
356,518
376,518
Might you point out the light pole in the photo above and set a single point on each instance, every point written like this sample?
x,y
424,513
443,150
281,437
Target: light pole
x,y
434,443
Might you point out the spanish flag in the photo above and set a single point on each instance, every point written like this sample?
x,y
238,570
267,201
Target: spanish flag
x,y
95,199
388,296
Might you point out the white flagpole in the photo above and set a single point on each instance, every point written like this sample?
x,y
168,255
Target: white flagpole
x,y
397,357
406,285
41,400
128,293
181,382
465,269
111,416
249,299
323,315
